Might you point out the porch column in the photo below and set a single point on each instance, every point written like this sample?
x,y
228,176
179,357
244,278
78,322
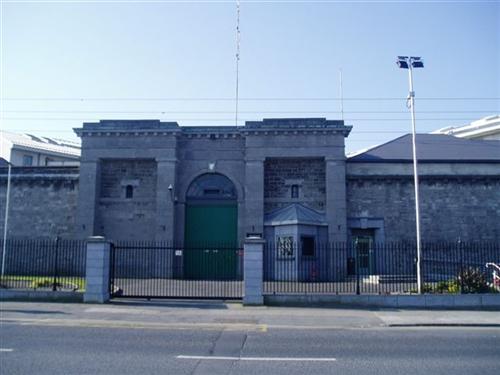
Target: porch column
x,y
97,270
253,271
254,197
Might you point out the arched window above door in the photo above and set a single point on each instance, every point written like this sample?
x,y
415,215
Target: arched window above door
x,y
211,186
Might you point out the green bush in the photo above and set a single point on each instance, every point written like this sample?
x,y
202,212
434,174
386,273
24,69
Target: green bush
x,y
473,280
448,286
427,288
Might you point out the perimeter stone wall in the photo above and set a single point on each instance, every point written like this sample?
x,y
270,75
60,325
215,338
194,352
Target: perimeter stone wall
x,y
451,207
43,201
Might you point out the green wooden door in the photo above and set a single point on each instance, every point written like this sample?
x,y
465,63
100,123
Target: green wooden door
x,y
210,241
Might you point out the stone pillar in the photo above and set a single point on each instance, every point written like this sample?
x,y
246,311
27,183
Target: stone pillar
x,y
97,270
336,215
254,197
165,199
253,266
336,200
88,198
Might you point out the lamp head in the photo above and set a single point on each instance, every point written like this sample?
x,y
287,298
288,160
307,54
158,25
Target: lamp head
x,y
416,62
402,62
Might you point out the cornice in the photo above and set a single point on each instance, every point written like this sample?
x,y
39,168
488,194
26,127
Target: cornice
x,y
138,128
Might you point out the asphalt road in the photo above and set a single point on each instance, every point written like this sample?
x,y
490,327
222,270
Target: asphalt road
x,y
51,348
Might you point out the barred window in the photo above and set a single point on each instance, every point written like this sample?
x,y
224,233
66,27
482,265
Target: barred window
x,y
285,247
129,192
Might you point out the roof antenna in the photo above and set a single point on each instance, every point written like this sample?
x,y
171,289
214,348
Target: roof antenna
x,y
237,57
341,97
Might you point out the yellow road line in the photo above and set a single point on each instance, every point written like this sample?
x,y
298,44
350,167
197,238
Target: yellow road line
x,y
93,323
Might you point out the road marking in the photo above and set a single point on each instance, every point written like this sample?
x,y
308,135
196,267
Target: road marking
x,y
91,323
6,350
276,359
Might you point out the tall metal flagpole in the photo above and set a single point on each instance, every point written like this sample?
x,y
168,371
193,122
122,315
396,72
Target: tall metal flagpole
x,y
415,174
237,58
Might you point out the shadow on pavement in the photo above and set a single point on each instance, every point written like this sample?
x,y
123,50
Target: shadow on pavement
x,y
198,304
35,312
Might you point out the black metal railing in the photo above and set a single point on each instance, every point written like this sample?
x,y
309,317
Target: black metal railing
x,y
164,270
388,268
43,264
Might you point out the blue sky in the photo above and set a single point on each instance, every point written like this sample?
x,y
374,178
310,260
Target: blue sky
x,y
127,53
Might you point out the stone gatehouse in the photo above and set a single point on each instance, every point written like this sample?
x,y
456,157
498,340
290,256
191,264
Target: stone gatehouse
x,y
158,181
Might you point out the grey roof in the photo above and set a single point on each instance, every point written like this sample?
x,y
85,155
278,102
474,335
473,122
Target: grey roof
x,y
295,214
432,148
3,163
36,143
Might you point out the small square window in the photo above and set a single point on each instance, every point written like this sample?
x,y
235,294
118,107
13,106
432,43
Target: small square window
x,y
308,246
129,192
295,191
27,160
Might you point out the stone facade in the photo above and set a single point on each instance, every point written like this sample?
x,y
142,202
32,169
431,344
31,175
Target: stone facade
x,y
308,153
134,176
289,181
127,204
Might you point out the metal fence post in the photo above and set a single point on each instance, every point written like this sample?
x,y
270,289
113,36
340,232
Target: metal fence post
x,y
54,284
356,266
461,271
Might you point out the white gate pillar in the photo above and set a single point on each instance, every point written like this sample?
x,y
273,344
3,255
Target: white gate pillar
x,y
253,271
97,270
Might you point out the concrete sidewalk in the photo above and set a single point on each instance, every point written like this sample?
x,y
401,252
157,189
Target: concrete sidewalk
x,y
220,315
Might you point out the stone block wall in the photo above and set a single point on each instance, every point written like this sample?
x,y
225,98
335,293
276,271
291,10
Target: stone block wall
x,y
281,174
451,207
122,217
43,201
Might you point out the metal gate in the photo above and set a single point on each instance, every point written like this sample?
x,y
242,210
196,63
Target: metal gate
x,y
160,270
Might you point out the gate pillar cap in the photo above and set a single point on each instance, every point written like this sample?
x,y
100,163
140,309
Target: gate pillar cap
x,y
254,239
97,239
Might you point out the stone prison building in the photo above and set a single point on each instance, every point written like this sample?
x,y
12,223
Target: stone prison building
x,y
283,179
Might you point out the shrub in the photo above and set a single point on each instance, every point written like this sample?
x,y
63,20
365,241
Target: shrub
x,y
427,288
473,280
448,286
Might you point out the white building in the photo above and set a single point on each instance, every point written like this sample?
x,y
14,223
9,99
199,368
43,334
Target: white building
x,y
28,150
487,128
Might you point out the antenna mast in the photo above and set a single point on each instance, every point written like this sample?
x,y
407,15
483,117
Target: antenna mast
x,y
341,97
237,58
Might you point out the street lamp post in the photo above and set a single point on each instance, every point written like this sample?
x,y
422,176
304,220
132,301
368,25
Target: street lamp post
x,y
410,62
6,220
